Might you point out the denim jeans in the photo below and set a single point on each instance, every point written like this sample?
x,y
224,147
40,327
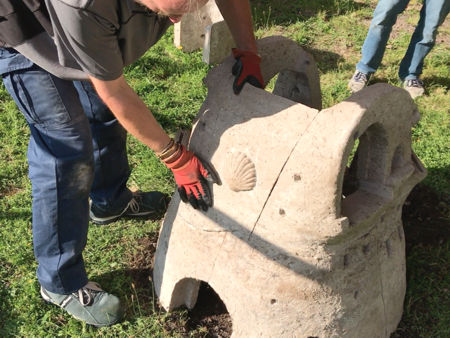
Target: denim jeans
x,y
432,15
77,149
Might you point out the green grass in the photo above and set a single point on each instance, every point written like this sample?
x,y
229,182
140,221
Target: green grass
x,y
170,82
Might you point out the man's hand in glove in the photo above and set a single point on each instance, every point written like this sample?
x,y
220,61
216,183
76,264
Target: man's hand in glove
x,y
246,69
191,176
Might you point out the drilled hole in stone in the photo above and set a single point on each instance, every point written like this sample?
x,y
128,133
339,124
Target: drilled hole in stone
x,y
297,177
346,261
211,313
365,249
273,301
282,212
388,247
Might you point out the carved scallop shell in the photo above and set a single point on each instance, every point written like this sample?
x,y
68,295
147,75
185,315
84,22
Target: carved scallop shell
x,y
240,172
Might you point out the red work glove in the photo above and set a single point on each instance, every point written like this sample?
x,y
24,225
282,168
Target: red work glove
x,y
191,177
246,69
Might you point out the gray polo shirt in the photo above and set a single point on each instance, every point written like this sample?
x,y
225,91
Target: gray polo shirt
x,y
100,37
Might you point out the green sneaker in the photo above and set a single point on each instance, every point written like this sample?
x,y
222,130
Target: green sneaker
x,y
143,204
89,304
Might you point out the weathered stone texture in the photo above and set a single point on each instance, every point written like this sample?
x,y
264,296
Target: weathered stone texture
x,y
218,43
293,257
190,31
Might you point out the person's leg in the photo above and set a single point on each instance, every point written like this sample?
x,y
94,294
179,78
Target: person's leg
x,y
384,17
432,15
111,199
61,171
109,191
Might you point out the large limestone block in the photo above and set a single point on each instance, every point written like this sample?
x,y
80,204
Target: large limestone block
x,y
189,33
285,250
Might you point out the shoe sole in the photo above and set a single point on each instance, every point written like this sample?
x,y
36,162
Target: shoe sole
x,y
103,221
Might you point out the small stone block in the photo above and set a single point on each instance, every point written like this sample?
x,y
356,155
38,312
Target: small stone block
x,y
218,43
189,33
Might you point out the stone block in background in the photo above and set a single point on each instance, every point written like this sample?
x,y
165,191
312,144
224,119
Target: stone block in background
x,y
218,43
190,31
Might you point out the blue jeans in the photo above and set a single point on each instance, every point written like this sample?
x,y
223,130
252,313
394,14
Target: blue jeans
x,y
77,149
432,15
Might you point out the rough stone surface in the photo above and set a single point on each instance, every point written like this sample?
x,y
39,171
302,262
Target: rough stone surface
x,y
218,43
293,256
298,75
189,33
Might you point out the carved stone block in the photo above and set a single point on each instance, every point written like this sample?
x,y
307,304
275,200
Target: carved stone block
x,y
292,254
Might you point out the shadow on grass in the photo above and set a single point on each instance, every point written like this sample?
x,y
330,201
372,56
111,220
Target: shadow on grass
x,y
437,80
326,61
426,218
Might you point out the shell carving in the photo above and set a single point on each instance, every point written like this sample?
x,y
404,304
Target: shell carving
x,y
240,172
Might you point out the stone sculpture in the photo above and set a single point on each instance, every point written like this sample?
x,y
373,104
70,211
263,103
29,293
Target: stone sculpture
x,y
286,249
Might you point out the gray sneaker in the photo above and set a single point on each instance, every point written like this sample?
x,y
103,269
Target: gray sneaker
x,y
414,87
89,304
358,81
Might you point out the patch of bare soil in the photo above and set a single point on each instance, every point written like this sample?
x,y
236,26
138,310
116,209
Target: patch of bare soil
x,y
210,312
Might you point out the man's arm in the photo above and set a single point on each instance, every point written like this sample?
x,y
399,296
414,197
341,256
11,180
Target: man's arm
x,y
131,112
238,16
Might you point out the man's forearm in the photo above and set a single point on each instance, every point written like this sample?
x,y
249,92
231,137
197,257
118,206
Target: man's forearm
x,y
131,112
238,16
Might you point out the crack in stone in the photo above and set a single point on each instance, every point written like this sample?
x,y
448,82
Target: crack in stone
x,y
279,174
218,253
382,290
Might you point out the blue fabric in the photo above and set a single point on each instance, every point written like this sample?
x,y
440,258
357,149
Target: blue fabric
x,y
10,61
73,136
432,15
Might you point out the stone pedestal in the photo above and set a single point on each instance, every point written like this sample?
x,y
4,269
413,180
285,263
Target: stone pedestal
x,y
288,252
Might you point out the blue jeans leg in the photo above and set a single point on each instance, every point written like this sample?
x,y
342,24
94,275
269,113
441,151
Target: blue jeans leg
x,y
384,17
432,15
109,191
61,172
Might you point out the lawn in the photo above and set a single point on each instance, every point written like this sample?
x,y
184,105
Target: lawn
x,y
119,256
